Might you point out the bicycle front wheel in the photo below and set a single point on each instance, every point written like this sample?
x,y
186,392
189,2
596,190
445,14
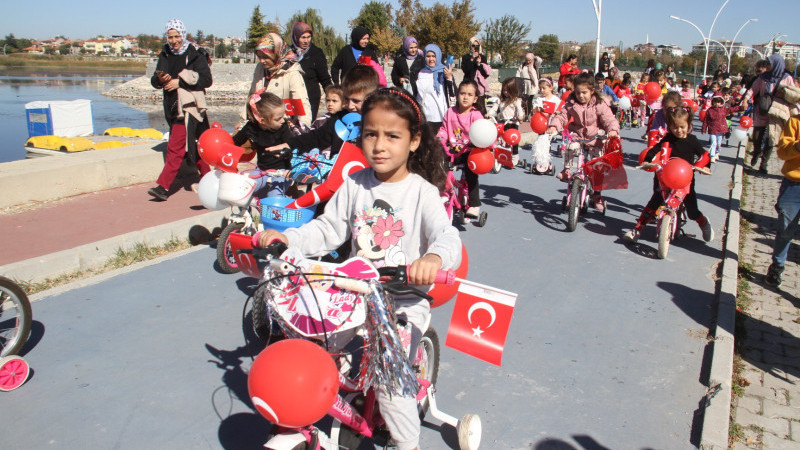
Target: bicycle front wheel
x,y
225,257
15,317
574,204
426,364
664,235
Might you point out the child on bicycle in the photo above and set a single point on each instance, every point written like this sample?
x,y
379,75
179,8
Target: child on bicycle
x,y
509,112
454,136
658,122
638,91
589,114
546,94
684,145
266,126
392,213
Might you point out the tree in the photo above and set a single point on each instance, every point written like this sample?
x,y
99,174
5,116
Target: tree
x,y
373,16
12,46
448,27
547,47
63,49
506,37
257,29
385,40
200,37
325,37
221,50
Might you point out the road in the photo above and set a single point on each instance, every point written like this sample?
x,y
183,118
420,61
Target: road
x,y
606,347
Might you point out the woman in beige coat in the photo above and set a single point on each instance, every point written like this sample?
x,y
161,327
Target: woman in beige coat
x,y
528,83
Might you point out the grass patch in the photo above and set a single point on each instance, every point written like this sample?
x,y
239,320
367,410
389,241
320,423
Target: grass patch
x,y
72,63
123,258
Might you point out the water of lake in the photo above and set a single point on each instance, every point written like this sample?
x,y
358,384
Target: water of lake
x,y
17,90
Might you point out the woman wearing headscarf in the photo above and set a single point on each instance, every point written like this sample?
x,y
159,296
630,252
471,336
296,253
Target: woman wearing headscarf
x,y
349,54
604,64
408,59
528,83
182,73
313,63
279,72
762,93
432,86
476,67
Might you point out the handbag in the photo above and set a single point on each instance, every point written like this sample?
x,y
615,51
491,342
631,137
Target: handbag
x,y
764,101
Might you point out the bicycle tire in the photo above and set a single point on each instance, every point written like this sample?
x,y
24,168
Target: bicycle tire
x,y
574,205
225,258
429,345
664,235
13,298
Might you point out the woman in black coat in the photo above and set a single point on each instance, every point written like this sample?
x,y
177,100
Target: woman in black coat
x,y
313,63
349,54
407,61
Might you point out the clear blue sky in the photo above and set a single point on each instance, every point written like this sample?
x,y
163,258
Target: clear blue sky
x,y
629,21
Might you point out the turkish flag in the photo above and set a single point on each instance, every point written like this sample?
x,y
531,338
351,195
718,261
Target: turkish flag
x,y
551,107
349,160
503,156
481,317
607,172
294,107
245,262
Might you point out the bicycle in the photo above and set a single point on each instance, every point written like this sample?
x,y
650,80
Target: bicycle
x,y
625,118
15,327
579,189
457,192
321,302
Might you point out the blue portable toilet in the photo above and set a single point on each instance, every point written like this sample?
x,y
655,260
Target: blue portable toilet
x,y
59,118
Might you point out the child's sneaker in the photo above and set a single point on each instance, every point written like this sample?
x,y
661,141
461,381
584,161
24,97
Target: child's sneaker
x,y
598,202
563,175
515,160
474,211
631,236
773,276
708,232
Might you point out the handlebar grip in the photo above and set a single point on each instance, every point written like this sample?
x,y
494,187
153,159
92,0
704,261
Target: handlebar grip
x,y
447,277
351,284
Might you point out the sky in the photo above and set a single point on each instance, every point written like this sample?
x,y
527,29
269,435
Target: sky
x,y
629,21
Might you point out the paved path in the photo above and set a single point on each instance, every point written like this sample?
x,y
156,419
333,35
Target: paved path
x,y
769,411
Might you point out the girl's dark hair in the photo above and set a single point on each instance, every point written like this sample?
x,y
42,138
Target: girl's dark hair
x,y
427,160
586,79
673,97
268,103
763,64
571,57
510,86
626,76
474,85
676,113
570,78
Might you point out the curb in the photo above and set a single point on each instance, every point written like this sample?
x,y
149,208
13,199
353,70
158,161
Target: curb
x,y
97,253
717,401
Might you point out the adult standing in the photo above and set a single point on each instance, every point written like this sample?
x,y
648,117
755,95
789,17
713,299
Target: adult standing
x,y
348,56
605,64
762,93
528,82
568,67
182,73
408,59
476,67
313,63
279,72
433,87
651,67
722,71
671,75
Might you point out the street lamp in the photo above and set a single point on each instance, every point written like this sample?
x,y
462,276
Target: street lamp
x,y
705,39
730,51
598,11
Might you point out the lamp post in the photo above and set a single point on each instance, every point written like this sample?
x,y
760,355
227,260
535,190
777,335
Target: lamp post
x,y
705,39
730,51
598,11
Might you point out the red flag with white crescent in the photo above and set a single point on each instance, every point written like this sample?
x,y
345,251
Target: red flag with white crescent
x,y
294,107
607,172
550,107
503,156
481,317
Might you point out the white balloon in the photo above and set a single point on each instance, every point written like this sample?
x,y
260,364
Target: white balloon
x,y
738,136
482,133
236,189
624,103
208,190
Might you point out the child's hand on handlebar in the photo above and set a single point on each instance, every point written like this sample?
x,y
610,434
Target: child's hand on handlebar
x,y
423,271
551,130
266,237
277,148
612,134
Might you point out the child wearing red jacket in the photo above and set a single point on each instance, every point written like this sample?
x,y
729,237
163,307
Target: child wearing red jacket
x,y
715,123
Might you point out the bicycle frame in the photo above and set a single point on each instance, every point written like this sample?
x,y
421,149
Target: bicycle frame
x,y
579,172
456,191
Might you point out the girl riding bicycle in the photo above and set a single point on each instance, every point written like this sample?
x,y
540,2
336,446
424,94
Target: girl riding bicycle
x,y
589,114
454,136
392,213
683,145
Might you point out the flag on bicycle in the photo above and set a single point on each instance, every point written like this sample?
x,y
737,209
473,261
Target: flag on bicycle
x,y
551,107
480,321
607,172
503,156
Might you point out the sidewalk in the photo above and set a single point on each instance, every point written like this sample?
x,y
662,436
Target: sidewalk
x,y
768,331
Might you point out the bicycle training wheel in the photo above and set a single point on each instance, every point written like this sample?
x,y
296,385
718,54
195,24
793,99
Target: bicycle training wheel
x,y
664,235
426,364
225,257
15,317
574,205
14,371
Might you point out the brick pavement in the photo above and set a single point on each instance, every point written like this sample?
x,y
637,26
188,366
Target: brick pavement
x,y
769,330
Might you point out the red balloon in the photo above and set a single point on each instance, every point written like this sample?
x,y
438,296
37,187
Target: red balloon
x,y
652,91
216,125
676,173
702,115
229,157
443,293
512,136
210,145
539,123
745,122
480,161
293,383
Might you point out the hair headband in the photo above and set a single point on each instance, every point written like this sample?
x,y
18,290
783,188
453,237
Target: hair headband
x,y
410,100
254,99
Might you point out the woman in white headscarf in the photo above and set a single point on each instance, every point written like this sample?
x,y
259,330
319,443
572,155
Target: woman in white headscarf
x,y
183,74
528,79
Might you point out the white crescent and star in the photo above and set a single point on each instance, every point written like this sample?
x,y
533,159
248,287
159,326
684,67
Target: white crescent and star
x,y
477,331
224,162
266,408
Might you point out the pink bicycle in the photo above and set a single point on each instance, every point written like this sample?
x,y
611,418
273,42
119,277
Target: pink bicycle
x,y
331,305
15,326
457,192
579,185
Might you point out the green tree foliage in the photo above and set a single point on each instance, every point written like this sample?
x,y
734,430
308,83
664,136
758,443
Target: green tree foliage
x,y
200,37
150,42
257,28
506,37
63,49
449,27
385,40
11,44
373,16
325,37
221,50
547,47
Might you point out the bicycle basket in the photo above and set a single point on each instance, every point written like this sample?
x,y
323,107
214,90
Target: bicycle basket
x,y
275,214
